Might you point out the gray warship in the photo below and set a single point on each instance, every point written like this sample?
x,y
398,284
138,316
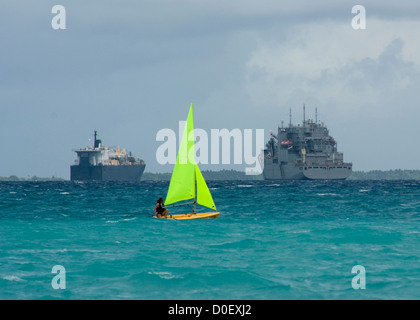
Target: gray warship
x,y
305,151
101,163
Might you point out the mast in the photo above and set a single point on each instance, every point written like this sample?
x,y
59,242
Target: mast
x,y
316,115
96,143
196,190
290,117
304,115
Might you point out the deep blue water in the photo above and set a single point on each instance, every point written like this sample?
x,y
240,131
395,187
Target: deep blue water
x,y
273,240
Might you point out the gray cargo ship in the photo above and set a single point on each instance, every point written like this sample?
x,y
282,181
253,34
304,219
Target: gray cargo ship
x,y
304,151
100,163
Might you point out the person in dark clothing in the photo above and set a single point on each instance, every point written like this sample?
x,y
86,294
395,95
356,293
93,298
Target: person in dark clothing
x,y
160,210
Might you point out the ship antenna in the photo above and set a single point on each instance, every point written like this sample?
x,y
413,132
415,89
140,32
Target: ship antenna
x,y
304,115
290,117
316,115
94,142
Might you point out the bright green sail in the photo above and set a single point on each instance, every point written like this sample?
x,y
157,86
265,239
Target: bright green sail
x,y
203,193
186,172
182,185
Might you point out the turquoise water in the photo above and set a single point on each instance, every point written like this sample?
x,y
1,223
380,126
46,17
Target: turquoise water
x,y
285,240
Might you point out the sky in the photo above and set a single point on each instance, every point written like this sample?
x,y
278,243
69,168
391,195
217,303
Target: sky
x,y
131,68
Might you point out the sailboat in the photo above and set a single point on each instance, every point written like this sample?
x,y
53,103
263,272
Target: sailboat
x,y
187,182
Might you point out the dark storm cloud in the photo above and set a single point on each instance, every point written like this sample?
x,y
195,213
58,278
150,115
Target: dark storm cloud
x,y
128,69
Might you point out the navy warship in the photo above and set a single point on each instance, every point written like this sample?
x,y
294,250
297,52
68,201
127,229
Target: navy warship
x,y
305,151
100,163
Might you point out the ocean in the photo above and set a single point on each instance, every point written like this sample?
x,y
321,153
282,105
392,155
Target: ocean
x,y
272,241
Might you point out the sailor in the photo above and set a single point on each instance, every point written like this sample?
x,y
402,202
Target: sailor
x,y
160,210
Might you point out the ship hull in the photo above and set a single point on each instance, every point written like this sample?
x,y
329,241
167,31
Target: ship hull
x,y
274,171
129,173
340,172
190,216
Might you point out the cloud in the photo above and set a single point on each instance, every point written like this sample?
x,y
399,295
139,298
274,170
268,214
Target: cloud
x,y
364,84
336,64
131,68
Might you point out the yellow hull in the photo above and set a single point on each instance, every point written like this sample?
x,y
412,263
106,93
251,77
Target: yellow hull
x,y
190,216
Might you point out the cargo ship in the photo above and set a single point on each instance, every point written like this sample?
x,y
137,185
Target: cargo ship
x,y
101,163
304,151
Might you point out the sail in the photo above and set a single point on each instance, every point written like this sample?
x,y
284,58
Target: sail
x,y
203,193
182,185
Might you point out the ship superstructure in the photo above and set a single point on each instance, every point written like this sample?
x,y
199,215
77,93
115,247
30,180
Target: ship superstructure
x,y
304,151
101,163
